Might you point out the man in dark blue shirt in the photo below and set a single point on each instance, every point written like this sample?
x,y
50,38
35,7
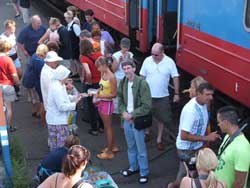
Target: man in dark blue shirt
x,y
30,35
53,161
89,20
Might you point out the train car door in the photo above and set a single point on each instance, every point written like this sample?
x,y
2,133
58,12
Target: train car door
x,y
167,24
134,21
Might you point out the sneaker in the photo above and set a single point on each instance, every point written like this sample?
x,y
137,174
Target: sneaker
x,y
105,156
93,133
143,179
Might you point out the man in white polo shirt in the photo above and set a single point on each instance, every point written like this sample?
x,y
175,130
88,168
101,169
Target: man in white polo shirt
x,y
157,70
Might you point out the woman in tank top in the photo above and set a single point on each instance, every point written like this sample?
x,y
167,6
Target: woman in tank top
x,y
104,102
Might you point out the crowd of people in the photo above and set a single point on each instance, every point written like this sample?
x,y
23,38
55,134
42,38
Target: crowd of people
x,y
52,57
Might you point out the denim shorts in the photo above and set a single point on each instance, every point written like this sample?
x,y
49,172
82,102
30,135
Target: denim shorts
x,y
9,94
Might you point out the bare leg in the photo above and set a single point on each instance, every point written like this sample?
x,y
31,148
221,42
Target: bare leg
x,y
107,121
160,132
17,9
9,113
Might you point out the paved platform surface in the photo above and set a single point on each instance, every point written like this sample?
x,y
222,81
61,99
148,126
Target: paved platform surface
x,y
33,136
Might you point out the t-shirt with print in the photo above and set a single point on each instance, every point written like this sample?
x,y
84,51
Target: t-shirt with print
x,y
96,75
158,75
194,119
236,157
119,73
7,69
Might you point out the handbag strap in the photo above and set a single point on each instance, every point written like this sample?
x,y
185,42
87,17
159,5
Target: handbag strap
x,y
78,184
197,183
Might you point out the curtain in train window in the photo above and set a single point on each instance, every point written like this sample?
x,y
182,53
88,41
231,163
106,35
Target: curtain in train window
x,y
247,16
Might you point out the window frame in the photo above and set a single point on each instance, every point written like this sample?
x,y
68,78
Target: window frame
x,y
246,7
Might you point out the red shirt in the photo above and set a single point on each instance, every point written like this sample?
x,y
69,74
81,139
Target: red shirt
x,y
7,69
96,75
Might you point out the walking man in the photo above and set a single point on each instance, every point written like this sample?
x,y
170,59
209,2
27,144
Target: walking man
x,y
157,70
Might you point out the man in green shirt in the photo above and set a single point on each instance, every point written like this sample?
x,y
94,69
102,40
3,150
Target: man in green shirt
x,y
234,152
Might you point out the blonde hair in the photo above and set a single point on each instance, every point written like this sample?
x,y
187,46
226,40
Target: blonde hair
x,y
5,46
207,161
197,81
53,21
9,24
42,50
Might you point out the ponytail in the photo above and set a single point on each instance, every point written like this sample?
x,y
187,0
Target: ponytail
x,y
211,181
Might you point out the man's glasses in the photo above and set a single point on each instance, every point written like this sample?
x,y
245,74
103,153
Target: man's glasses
x,y
154,54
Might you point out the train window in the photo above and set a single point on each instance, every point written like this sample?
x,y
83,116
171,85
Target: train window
x,y
247,15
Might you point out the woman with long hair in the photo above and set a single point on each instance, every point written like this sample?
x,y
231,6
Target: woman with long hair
x,y
105,105
73,165
206,163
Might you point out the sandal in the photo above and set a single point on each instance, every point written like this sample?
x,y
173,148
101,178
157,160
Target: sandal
x,y
13,128
129,172
114,150
105,155
143,179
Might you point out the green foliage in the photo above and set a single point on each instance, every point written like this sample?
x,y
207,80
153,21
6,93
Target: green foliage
x,y
19,165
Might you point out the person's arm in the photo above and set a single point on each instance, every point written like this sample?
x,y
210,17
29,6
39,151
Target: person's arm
x,y
59,99
21,48
22,37
176,89
185,182
240,179
44,37
87,72
145,100
121,104
16,79
76,29
113,90
208,138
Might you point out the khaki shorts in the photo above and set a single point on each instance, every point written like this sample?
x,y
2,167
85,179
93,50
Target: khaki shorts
x,y
161,110
9,94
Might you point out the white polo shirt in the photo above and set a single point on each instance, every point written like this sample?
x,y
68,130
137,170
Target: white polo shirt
x,y
158,75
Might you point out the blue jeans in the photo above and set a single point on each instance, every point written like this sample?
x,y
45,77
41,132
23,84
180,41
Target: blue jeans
x,y
137,151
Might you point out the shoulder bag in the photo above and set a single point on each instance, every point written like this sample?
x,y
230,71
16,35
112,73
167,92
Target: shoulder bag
x,y
142,122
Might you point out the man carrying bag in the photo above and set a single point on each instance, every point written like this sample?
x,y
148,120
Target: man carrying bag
x,y
134,100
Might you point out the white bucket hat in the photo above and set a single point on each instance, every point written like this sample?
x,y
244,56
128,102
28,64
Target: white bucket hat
x,y
52,57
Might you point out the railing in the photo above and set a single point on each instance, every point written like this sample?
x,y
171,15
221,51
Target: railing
x,y
5,141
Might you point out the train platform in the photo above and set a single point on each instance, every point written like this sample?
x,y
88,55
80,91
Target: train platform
x,y
33,136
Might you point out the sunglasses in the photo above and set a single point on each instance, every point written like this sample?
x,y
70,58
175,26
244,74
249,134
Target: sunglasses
x,y
156,55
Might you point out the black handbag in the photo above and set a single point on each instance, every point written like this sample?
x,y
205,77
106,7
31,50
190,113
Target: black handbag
x,y
143,122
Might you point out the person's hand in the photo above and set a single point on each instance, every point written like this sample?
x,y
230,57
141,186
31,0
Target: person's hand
x,y
176,98
127,116
78,98
25,53
213,136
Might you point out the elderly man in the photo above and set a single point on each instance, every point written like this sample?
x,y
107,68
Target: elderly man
x,y
234,152
29,37
157,70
